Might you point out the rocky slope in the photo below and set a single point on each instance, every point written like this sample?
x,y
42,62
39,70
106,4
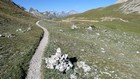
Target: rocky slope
x,y
121,1
131,6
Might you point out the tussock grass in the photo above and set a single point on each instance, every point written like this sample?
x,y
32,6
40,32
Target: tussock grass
x,y
119,60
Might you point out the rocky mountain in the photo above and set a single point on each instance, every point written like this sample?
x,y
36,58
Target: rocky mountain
x,y
35,12
121,1
120,9
51,14
131,6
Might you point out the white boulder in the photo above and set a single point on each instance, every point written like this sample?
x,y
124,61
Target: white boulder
x,y
59,61
90,28
74,27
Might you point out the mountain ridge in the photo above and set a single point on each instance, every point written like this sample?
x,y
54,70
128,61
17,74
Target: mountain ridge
x,y
131,6
121,1
51,14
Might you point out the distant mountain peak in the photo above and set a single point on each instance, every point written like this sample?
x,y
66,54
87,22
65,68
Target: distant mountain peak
x,y
51,14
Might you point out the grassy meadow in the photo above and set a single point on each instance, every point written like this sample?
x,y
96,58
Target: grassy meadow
x,y
19,37
111,53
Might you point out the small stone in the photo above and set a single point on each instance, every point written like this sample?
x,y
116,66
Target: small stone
x,y
72,76
98,34
137,52
89,28
61,30
121,54
29,28
84,66
103,51
82,50
74,27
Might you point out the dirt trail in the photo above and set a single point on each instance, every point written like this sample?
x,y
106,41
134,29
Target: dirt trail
x,y
34,71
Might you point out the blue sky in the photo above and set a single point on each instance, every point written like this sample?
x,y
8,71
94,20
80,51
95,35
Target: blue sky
x,y
64,5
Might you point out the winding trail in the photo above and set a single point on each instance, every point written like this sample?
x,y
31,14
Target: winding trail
x,y
34,71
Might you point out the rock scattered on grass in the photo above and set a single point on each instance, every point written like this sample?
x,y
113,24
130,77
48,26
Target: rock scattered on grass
x,y
82,50
63,63
73,76
20,30
89,28
61,30
59,61
29,28
98,34
24,30
74,27
84,66
137,52
7,35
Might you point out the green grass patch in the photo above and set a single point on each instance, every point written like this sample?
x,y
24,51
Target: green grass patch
x,y
119,60
16,47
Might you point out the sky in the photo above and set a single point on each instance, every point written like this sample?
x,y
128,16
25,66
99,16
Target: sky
x,y
64,5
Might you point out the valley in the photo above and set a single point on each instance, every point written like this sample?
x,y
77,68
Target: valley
x,y
106,40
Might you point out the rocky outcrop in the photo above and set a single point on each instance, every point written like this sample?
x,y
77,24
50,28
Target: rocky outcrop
x,y
121,1
131,7
59,61
35,12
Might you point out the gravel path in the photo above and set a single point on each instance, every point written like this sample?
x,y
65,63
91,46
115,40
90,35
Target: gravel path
x,y
34,71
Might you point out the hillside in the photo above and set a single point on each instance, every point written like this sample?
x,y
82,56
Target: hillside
x,y
106,39
19,37
111,54
113,16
